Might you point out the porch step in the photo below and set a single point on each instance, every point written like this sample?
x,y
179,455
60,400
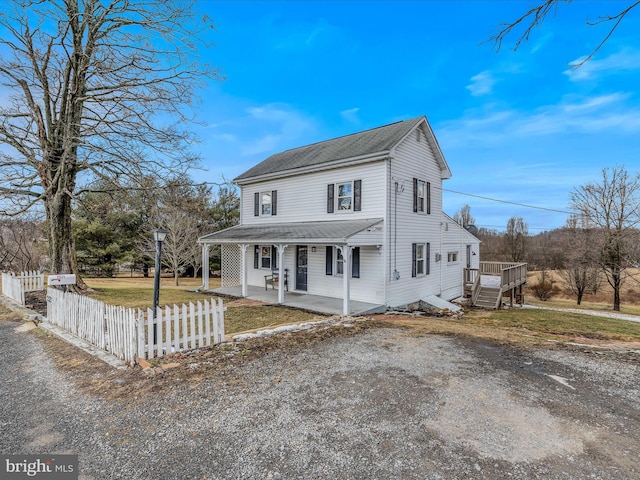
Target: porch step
x,y
488,297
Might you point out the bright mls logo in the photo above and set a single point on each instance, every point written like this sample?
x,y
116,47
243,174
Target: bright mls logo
x,y
50,467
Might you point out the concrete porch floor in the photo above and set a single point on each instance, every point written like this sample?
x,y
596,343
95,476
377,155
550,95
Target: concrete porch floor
x,y
313,303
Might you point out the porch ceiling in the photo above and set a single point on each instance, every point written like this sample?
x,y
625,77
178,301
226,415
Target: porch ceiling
x,y
333,232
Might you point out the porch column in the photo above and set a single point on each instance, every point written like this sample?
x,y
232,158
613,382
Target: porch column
x,y
346,277
281,272
243,273
205,266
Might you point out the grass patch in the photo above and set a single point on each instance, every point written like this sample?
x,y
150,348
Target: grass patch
x,y
241,319
555,323
138,292
524,327
586,305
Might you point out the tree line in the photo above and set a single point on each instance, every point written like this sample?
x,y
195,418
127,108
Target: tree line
x,y
113,227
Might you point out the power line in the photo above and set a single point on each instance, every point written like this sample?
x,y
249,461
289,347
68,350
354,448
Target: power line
x,y
510,203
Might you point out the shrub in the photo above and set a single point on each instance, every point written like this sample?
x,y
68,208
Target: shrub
x,y
545,290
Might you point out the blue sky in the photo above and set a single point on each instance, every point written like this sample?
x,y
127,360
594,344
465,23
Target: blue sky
x,y
520,126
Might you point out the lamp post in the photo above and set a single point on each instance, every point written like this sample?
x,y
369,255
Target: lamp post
x,y
159,235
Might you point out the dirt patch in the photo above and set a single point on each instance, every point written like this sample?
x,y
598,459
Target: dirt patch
x,y
36,301
245,302
97,378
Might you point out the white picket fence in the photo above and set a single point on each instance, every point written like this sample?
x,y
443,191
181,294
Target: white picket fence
x,y
127,333
15,286
181,328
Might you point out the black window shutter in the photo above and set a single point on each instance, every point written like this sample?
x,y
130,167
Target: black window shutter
x,y
357,195
256,256
413,259
428,198
329,261
355,263
415,194
256,204
274,258
428,259
330,188
274,202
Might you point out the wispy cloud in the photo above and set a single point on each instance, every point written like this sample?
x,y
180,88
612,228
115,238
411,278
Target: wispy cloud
x,y
481,84
351,115
281,127
598,114
620,62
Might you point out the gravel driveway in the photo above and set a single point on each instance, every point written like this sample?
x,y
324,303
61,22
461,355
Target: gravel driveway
x,y
377,404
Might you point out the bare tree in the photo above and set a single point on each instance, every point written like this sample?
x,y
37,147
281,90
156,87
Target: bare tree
x,y
463,217
21,243
515,238
612,207
97,89
581,273
537,14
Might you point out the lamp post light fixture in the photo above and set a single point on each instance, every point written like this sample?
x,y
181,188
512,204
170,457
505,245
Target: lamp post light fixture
x,y
159,236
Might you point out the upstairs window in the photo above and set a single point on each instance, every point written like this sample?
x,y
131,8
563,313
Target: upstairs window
x,y
344,196
265,203
421,196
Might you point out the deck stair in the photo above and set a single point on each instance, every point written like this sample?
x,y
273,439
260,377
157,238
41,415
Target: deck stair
x,y
487,284
489,297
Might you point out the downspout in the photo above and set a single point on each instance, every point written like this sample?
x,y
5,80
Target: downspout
x,y
441,255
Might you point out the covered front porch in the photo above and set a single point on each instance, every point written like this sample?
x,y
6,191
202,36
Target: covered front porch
x,y
312,303
317,266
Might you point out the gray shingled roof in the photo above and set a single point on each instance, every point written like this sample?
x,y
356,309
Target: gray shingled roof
x,y
370,142
337,231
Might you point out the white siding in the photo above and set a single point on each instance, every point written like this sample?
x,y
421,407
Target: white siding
x,y
368,288
456,239
413,159
303,198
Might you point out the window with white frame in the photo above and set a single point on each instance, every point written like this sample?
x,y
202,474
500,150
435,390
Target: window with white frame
x,y
420,259
335,262
339,262
422,195
345,196
265,203
266,253
452,257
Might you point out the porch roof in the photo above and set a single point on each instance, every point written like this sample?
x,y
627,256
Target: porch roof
x,y
333,232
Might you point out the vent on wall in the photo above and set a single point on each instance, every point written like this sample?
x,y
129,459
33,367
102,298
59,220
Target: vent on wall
x,y
438,257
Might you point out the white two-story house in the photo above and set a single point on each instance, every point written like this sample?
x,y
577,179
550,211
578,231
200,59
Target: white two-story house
x,y
357,218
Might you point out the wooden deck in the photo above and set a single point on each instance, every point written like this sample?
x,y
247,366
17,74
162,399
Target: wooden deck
x,y
488,294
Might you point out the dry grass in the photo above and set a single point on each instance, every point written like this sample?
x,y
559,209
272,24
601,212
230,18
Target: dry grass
x,y
603,300
525,327
137,292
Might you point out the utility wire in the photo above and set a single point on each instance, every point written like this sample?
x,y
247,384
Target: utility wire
x,y
510,203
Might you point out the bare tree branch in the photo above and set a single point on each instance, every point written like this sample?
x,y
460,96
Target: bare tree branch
x,y
536,15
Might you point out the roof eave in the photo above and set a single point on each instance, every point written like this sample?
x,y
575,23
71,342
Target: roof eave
x,y
372,157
